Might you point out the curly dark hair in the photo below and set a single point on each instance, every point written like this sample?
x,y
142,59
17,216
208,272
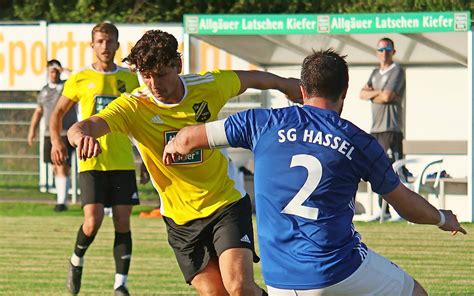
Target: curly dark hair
x,y
155,49
325,74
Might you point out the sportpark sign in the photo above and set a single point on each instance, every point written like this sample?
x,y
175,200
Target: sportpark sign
x,y
251,24
24,49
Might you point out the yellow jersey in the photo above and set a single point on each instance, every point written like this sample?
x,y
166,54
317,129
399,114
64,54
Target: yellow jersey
x,y
199,184
93,91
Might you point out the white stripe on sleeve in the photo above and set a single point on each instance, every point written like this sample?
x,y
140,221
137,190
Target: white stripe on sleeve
x,y
216,136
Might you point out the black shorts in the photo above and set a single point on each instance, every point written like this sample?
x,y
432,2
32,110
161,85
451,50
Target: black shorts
x,y
109,188
392,143
197,241
47,149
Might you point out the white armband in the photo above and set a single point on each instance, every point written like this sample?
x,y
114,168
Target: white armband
x,y
443,219
216,136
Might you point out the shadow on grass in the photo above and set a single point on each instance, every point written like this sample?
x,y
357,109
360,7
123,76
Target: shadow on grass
x,y
33,209
30,192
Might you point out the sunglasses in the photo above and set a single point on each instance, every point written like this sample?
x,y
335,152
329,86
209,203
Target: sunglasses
x,y
388,49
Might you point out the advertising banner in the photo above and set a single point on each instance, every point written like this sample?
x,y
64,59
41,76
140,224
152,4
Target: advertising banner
x,y
249,24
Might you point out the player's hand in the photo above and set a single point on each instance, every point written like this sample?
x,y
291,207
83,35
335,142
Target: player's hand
x,y
366,87
31,138
451,223
170,154
87,147
59,153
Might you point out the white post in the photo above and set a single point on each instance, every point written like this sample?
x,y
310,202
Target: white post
x,y
46,178
186,53
470,69
73,177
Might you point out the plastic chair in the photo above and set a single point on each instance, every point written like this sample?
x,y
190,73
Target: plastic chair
x,y
419,185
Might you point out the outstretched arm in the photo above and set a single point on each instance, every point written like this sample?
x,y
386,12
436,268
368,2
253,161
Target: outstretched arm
x,y
185,141
84,134
265,80
416,209
209,135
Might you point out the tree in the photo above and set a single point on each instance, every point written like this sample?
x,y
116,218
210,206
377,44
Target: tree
x,y
146,11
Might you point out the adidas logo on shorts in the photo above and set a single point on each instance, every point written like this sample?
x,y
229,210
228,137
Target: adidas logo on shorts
x,y
135,195
245,239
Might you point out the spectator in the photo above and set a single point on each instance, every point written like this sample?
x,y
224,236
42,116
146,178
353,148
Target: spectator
x,y
47,99
385,89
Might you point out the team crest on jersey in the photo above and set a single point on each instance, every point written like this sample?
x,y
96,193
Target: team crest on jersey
x,y
202,111
193,157
121,87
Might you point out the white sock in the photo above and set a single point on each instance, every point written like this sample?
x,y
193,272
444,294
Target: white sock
x,y
61,189
76,260
120,280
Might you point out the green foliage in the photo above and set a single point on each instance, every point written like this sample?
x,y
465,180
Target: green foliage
x,y
146,11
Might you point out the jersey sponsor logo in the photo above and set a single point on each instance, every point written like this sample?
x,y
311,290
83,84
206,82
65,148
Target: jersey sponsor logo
x,y
157,119
245,239
121,86
101,101
191,158
202,111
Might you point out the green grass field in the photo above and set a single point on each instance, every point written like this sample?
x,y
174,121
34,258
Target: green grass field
x,y
35,244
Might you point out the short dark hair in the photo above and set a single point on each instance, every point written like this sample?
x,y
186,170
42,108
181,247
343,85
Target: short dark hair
x,y
155,49
107,28
325,74
386,39
53,63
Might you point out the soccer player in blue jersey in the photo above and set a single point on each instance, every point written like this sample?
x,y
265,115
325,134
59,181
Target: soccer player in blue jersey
x,y
308,163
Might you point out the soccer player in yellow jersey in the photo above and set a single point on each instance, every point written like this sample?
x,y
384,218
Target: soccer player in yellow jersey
x,y
207,215
107,180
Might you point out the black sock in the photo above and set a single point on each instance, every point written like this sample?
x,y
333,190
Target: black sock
x,y
122,252
264,293
82,242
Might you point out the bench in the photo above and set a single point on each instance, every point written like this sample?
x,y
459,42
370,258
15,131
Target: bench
x,y
447,186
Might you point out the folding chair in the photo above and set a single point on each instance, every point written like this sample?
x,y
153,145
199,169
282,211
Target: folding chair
x,y
419,183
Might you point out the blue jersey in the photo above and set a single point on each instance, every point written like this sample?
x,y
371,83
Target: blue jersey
x,y
308,164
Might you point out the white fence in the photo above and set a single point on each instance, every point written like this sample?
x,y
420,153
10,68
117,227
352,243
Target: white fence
x,y
8,123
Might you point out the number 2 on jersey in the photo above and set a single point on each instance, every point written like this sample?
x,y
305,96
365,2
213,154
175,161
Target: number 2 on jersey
x,y
315,171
